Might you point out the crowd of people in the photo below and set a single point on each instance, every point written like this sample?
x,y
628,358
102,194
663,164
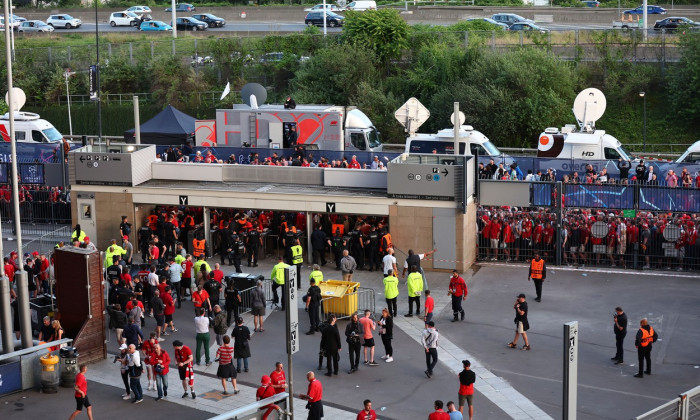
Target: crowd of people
x,y
38,204
642,174
299,157
591,237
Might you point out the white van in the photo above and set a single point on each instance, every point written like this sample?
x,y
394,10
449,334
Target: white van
x,y
569,144
30,128
362,5
692,155
471,142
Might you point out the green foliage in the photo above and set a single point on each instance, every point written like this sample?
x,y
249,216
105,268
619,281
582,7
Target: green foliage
x,y
511,96
333,75
380,105
474,25
3,107
382,31
684,81
173,82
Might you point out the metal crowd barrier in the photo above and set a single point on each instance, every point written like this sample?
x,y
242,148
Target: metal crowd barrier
x,y
684,407
254,410
349,304
245,305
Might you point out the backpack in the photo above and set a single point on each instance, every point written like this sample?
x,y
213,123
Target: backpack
x,y
136,312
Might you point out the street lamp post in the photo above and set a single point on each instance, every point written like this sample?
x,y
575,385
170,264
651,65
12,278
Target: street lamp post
x,y
97,71
68,74
644,129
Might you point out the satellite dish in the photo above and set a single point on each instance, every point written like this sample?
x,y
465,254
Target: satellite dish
x,y
412,115
18,98
462,118
589,106
256,91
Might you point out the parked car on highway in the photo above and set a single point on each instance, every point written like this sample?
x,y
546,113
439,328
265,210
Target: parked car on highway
x,y
63,21
671,24
124,19
182,7
590,3
155,25
19,19
329,7
34,26
509,18
316,18
362,5
211,20
491,21
527,26
189,24
652,10
139,10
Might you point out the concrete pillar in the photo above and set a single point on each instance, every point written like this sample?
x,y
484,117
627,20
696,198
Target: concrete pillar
x,y
309,230
25,320
207,231
5,314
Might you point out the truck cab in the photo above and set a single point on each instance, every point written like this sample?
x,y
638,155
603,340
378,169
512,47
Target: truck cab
x,y
471,143
692,155
569,144
360,133
29,128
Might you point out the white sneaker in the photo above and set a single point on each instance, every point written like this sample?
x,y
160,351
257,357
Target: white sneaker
x,y
389,359
161,339
126,397
384,357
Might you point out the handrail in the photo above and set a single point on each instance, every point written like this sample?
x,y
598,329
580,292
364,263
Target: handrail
x,y
34,349
251,408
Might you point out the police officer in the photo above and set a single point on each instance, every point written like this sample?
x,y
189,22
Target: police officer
x,y
290,237
357,247
225,243
313,302
237,251
538,272
318,245
340,244
253,244
372,247
297,259
645,337
620,328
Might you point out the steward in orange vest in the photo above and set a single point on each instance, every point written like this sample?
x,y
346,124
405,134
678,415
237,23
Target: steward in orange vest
x,y
645,337
538,272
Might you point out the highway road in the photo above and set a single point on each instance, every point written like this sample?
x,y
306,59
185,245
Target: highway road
x,y
260,27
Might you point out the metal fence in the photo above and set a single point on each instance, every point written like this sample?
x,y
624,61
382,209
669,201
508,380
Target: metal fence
x,y
47,242
684,407
351,303
36,217
245,305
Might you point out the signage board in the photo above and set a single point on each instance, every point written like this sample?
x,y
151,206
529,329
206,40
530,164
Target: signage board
x,y
290,281
421,181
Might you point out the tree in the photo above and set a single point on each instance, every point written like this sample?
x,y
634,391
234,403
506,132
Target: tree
x,y
684,81
509,97
382,31
333,75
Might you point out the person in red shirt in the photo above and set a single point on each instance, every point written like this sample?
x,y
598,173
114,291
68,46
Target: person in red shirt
x,y
217,273
466,388
160,360
458,291
429,307
81,398
183,359
354,164
508,237
186,282
266,391
278,378
314,395
494,236
367,413
10,273
438,414
585,233
147,348
169,303
548,239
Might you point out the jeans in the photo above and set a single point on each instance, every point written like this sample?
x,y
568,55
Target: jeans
x,y
388,348
354,350
538,287
431,355
136,388
176,288
162,385
275,296
202,340
125,378
332,359
245,363
219,339
619,339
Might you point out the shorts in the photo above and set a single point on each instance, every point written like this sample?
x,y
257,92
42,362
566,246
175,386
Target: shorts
x,y
258,311
186,283
621,248
494,243
81,402
428,317
465,398
519,327
369,342
186,373
169,318
160,320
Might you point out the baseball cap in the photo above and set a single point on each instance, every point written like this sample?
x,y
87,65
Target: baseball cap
x,y
35,253
177,343
125,237
122,347
522,295
87,239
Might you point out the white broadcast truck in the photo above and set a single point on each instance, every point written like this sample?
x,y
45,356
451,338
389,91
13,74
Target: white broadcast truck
x,y
29,127
586,143
692,155
324,127
413,114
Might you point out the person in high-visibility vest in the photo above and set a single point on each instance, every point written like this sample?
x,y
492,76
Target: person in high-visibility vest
x,y
537,273
414,284
316,274
198,247
645,337
277,276
297,260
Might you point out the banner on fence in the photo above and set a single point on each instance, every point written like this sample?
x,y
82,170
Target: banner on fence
x,y
31,173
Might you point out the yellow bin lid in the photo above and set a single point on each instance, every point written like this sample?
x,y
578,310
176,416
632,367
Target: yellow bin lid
x,y
49,359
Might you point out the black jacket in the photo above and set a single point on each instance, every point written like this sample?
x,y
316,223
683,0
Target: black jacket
x,y
355,327
330,339
388,327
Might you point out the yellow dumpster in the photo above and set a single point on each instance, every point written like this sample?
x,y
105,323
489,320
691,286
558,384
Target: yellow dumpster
x,y
339,297
49,374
